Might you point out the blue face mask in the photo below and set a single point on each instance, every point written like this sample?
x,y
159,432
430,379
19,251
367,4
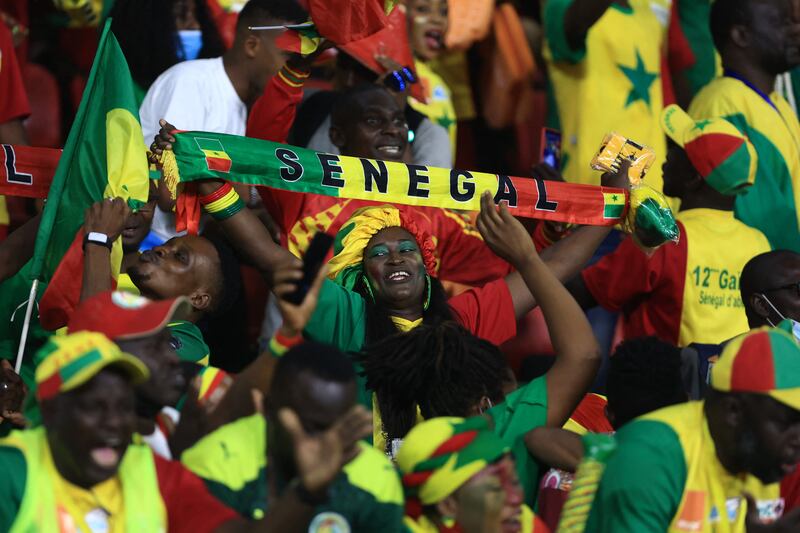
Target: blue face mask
x,y
191,44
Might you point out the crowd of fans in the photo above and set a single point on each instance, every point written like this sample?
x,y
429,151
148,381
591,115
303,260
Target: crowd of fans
x,y
444,370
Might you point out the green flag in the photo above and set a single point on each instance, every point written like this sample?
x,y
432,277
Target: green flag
x,y
104,157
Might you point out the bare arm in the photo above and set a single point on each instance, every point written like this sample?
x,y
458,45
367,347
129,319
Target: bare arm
x,y
17,249
565,259
107,217
556,447
244,230
578,355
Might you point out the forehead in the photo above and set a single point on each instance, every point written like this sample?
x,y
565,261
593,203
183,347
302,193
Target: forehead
x,y
378,101
392,234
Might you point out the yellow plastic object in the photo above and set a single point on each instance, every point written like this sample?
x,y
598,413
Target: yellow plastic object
x,y
615,147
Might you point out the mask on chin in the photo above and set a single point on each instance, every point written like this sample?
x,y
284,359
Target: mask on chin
x,y
789,325
191,44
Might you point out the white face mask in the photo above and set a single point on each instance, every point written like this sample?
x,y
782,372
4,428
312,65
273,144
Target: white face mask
x,y
795,323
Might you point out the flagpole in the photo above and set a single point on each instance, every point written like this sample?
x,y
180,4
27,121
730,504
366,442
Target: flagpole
x,y
24,337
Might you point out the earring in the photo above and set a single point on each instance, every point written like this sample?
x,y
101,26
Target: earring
x,y
427,302
449,522
369,288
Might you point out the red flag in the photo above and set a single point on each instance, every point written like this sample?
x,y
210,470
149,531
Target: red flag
x,y
392,42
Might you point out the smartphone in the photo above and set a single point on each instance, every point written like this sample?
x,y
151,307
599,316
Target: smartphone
x,y
551,148
312,262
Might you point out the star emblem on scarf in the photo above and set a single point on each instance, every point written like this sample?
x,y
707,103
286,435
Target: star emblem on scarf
x,y
641,80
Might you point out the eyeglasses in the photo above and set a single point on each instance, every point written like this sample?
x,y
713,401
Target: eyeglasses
x,y
398,80
795,286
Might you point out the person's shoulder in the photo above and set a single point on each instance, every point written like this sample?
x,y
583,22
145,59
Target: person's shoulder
x,y
187,72
720,96
373,472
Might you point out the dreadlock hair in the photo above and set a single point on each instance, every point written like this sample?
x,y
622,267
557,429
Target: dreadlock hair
x,y
444,369
644,375
148,36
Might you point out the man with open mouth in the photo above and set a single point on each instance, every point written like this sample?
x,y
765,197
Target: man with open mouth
x,y
83,470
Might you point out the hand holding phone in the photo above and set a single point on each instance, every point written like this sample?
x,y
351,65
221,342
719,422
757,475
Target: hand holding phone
x,y
551,148
312,261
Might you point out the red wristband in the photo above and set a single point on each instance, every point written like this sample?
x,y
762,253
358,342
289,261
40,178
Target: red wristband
x,y
216,195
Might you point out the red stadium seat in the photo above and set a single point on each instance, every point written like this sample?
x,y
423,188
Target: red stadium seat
x,y
44,124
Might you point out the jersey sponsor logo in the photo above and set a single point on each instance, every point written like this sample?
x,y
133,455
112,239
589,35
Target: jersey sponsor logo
x,y
329,523
770,510
693,511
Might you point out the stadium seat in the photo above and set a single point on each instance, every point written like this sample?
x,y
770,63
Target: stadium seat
x,y
44,124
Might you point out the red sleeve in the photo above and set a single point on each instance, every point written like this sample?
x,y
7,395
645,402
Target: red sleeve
x,y
273,114
464,257
790,490
190,507
679,52
488,312
13,99
625,274
270,119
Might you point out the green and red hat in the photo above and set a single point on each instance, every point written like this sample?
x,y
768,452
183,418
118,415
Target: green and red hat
x,y
763,361
68,361
122,315
717,149
441,454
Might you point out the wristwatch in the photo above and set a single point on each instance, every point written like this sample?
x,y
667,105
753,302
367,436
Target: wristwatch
x,y
95,237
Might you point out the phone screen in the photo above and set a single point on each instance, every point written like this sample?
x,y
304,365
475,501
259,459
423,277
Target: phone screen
x,y
551,148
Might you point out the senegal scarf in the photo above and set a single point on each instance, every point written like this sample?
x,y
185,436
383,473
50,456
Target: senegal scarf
x,y
203,155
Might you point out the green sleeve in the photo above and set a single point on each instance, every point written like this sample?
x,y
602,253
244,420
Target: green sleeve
x,y
523,410
12,484
643,481
339,320
556,37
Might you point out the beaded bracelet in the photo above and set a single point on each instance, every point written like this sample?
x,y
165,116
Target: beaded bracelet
x,y
222,203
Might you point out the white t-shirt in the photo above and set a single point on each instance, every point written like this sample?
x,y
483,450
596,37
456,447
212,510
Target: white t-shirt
x,y
192,95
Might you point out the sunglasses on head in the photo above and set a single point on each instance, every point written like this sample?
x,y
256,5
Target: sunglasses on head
x,y
398,80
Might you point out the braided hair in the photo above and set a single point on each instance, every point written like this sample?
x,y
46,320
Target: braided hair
x,y
442,368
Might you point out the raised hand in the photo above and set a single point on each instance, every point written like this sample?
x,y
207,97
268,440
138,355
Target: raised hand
x,y
504,234
162,141
107,217
295,317
12,394
320,457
